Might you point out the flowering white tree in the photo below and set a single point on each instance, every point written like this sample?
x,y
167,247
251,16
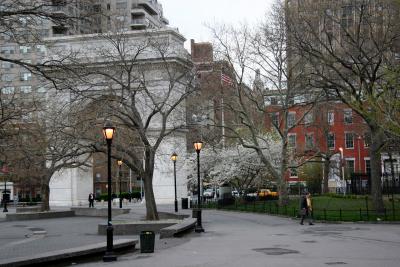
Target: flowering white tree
x,y
236,165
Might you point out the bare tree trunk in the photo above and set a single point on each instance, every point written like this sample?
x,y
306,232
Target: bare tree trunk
x,y
45,193
282,188
151,207
377,140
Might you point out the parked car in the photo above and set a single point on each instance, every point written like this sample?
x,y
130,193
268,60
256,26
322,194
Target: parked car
x,y
209,193
267,193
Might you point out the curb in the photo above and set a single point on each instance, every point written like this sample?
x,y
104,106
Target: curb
x,y
59,255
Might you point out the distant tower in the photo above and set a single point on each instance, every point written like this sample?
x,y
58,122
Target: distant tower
x,y
258,84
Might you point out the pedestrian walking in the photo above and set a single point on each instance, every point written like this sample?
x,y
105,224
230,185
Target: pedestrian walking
x,y
91,200
306,208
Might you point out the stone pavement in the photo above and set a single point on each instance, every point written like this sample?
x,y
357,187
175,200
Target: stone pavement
x,y
230,239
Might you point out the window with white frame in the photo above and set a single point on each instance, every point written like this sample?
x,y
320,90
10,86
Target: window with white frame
x,y
348,116
308,118
349,140
24,49
25,89
331,117
293,172
41,89
367,165
25,76
291,119
8,90
292,140
331,140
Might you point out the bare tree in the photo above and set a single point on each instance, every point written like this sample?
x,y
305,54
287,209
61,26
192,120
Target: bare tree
x,y
277,88
46,143
139,82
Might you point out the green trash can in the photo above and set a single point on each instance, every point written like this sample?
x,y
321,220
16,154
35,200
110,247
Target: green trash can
x,y
147,239
185,203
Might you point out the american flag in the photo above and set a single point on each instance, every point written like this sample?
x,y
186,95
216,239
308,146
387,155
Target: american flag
x,y
225,79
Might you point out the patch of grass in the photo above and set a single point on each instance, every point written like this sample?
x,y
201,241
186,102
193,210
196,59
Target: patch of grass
x,y
326,207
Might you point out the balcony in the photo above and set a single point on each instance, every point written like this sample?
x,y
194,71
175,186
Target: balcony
x,y
150,8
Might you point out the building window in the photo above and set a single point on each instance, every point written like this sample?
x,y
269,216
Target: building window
x,y
25,76
26,89
23,49
8,50
274,101
41,49
7,77
367,139
331,140
291,119
308,118
350,166
349,140
293,172
8,90
309,141
348,116
275,119
121,5
7,65
331,117
367,166
292,140
41,89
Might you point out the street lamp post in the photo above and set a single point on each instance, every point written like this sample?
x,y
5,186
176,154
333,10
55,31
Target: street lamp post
x,y
359,153
342,164
119,162
108,131
4,195
174,157
199,228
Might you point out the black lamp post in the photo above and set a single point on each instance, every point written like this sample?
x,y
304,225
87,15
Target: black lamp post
x,y
4,195
174,157
108,131
119,162
199,228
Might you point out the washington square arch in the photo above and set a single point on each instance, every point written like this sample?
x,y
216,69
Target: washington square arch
x,y
139,81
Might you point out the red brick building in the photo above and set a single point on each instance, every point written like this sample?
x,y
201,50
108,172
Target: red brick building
x,y
324,129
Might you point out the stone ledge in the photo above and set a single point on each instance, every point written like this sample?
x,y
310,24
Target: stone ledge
x,y
178,228
59,255
98,212
136,227
28,209
38,215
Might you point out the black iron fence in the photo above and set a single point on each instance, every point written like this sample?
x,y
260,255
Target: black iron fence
x,y
365,213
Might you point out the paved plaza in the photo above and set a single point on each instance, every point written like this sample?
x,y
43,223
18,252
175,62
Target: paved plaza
x,y
230,239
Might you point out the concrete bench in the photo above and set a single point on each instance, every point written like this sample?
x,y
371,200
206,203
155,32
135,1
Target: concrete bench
x,y
28,209
38,215
175,229
61,255
135,227
98,212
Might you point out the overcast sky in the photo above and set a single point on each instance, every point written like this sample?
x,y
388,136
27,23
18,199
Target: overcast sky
x,y
189,16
